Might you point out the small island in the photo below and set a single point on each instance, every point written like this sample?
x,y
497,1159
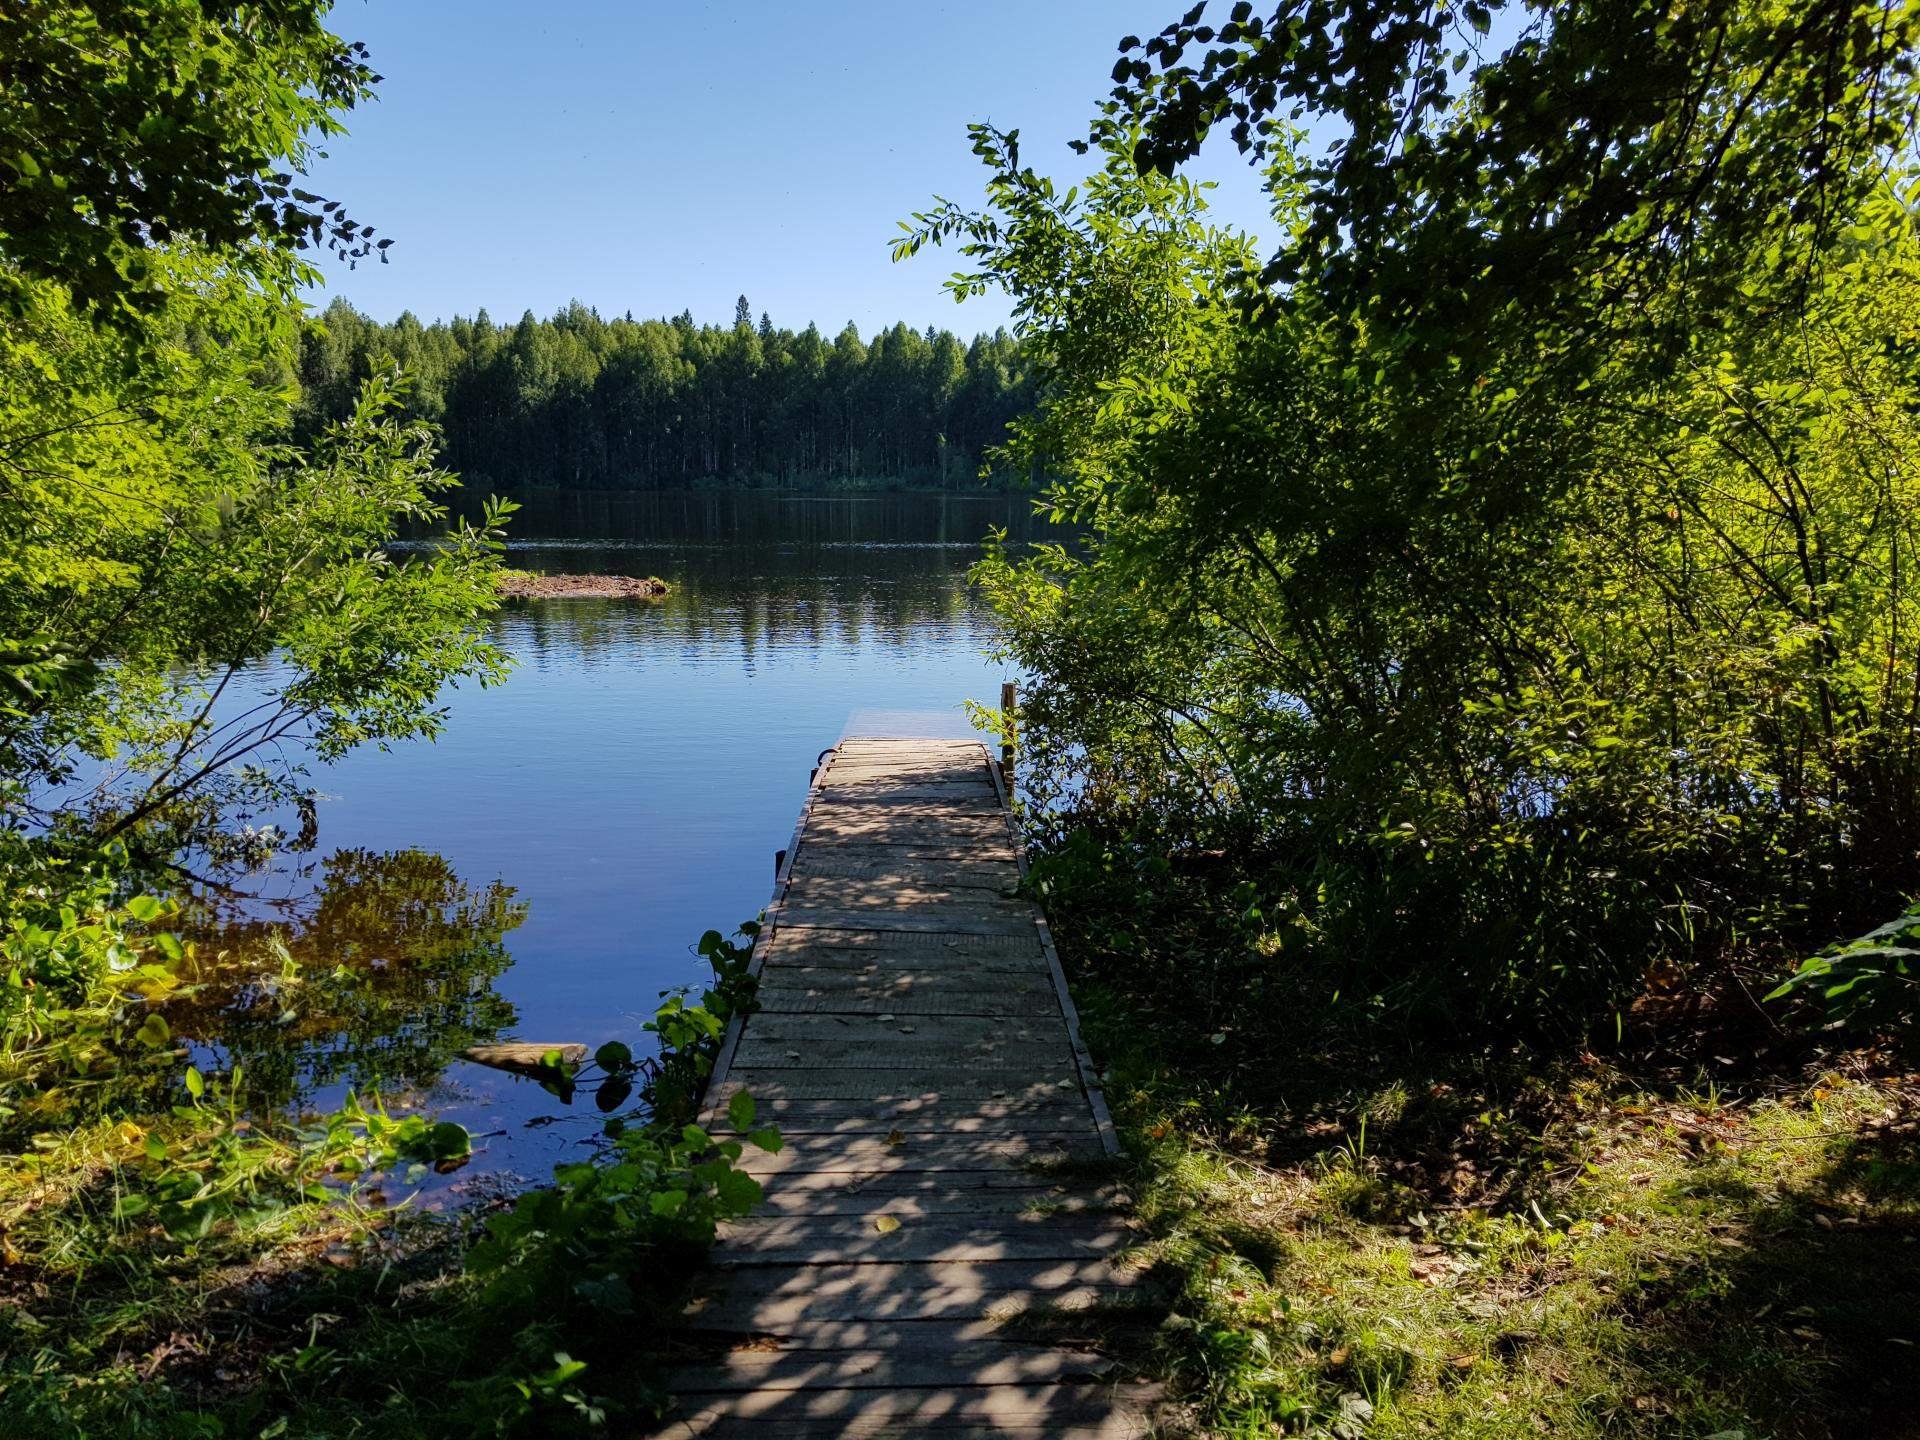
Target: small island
x,y
525,585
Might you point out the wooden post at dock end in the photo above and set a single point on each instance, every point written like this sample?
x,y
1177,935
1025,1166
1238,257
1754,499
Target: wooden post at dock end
x,y
1007,698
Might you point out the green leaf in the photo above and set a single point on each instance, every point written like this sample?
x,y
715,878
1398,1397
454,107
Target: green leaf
x,y
614,1056
196,1083
740,1110
192,1225
736,1192
613,1093
564,1369
609,1293
153,1031
667,1202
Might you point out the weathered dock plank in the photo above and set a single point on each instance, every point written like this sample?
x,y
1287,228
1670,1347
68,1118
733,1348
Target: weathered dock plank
x,y
1028,1109
908,992
954,1236
880,1155
853,1082
777,1299
942,1193
967,1031
897,888
909,922
881,951
1041,1412
916,1046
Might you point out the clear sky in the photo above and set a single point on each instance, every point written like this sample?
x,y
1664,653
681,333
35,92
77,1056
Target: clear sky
x,y
659,156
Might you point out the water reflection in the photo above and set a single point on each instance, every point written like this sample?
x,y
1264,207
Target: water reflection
x,y
768,518
630,782
890,598
376,978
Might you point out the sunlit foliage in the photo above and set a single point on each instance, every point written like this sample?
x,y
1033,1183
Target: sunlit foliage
x,y
1515,645
126,130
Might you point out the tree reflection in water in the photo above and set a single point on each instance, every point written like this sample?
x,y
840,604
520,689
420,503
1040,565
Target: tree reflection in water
x,y
376,979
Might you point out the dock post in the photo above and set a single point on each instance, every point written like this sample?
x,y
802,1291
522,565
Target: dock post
x,y
1007,699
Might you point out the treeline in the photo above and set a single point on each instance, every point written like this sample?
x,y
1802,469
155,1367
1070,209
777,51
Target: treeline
x,y
579,401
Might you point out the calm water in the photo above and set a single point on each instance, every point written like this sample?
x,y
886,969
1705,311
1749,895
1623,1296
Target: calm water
x,y
543,870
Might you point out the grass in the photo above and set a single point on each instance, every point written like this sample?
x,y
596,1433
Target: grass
x,y
293,1316
111,1327
1590,1258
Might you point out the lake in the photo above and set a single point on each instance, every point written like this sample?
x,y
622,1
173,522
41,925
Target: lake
x,y
543,871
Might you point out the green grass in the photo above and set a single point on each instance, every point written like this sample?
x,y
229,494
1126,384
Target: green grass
x,y
1637,1264
326,1317
110,1327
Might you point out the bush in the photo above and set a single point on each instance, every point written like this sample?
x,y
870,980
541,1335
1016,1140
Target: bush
x,y
1512,686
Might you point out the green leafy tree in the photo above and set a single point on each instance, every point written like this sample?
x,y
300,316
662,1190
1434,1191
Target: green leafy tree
x,y
158,534
1508,568
128,130
1594,154
1496,702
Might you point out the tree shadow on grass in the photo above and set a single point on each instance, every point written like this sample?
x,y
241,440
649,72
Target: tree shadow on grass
x,y
1731,1256
1813,1302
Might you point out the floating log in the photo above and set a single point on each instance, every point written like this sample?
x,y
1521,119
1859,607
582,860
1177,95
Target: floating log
x,y
522,1058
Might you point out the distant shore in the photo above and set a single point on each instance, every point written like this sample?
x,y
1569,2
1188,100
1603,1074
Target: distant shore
x,y
524,585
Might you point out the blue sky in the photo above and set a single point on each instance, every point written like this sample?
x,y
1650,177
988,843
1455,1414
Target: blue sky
x,y
654,157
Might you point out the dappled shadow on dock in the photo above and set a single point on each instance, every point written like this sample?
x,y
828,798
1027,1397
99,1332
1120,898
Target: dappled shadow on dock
x,y
943,1248
957,1341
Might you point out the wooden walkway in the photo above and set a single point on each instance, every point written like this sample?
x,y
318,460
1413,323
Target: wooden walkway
x,y
927,1237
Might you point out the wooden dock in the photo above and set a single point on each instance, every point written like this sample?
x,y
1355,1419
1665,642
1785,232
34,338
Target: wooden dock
x,y
936,1237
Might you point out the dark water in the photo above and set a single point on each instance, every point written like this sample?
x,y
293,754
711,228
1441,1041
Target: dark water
x,y
543,870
